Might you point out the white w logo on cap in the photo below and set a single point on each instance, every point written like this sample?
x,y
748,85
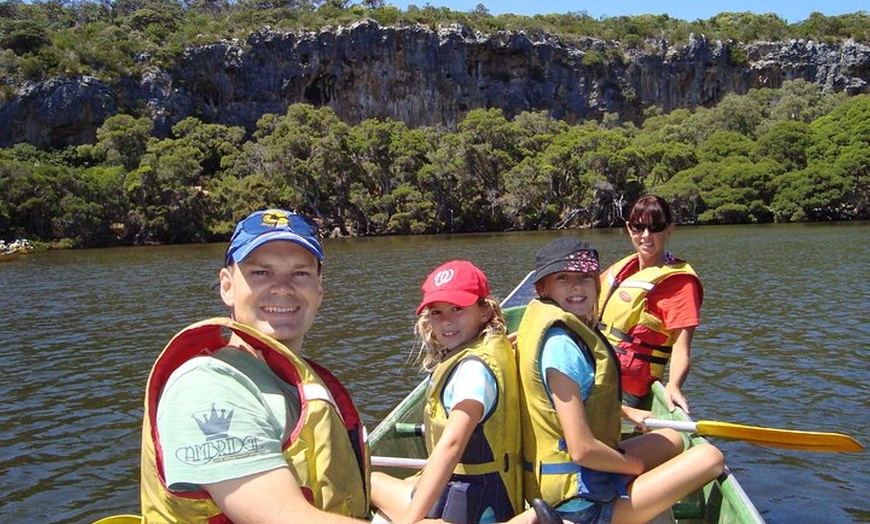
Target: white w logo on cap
x,y
443,277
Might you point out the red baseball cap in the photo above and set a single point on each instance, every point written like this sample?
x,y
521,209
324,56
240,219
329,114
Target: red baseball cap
x,y
457,282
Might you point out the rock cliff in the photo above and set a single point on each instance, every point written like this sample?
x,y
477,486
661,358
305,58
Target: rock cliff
x,y
425,77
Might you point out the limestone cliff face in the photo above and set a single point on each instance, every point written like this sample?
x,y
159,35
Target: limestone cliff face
x,y
424,77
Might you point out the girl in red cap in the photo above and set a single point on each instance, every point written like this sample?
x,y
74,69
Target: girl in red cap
x,y
472,430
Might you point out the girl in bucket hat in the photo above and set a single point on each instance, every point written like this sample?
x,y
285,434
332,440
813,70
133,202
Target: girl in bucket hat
x,y
473,473
571,410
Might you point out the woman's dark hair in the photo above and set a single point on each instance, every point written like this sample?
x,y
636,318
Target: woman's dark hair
x,y
651,207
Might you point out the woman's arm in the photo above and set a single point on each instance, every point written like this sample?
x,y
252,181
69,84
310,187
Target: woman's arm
x,y
678,369
583,447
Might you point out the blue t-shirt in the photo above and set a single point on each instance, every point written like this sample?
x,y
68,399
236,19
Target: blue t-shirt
x,y
563,354
471,380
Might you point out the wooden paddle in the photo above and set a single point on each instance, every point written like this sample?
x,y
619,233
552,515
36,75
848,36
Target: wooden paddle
x,y
778,438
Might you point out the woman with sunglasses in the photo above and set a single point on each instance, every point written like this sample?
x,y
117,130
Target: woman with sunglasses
x,y
649,308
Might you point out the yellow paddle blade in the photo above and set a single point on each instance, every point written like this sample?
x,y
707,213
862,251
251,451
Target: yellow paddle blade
x,y
780,438
120,519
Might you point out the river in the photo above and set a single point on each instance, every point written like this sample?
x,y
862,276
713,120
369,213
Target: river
x,y
784,343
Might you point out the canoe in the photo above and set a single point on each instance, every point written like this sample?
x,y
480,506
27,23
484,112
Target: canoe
x,y
397,444
12,250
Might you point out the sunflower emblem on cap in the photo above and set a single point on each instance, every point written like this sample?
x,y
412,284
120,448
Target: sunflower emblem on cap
x,y
275,218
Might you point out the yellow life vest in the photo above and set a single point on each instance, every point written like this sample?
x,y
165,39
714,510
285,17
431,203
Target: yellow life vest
x,y
623,307
326,451
550,473
498,435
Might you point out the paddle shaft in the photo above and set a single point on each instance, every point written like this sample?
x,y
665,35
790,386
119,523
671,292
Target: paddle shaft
x,y
676,425
398,462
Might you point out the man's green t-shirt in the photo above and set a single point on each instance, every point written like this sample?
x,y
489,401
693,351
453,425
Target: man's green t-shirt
x,y
223,416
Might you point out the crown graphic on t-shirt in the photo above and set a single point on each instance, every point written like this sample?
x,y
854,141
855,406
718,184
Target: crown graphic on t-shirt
x,y
215,425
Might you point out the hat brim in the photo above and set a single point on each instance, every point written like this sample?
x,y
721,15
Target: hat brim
x,y
451,296
248,247
557,267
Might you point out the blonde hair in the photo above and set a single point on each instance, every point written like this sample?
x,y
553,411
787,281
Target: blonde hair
x,y
591,318
431,352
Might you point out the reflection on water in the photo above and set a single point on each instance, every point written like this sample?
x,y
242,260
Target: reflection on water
x,y
783,344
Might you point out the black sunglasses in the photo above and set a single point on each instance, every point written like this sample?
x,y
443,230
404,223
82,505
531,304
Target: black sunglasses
x,y
639,227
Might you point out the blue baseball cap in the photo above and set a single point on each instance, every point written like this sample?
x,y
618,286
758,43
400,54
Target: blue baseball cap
x,y
268,225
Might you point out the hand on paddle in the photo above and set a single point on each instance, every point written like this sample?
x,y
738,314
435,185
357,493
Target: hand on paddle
x,y
636,416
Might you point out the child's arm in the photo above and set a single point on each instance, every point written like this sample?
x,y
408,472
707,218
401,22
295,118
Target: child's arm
x,y
583,447
461,422
636,416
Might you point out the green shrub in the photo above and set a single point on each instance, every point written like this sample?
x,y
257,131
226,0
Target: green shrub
x,y
737,55
23,36
592,59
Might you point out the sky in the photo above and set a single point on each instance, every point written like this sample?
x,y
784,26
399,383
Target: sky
x,y
789,10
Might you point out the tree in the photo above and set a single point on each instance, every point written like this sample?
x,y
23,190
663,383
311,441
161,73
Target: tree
x,y
854,163
93,207
802,101
528,200
812,194
489,151
723,144
23,36
307,151
33,195
438,180
124,139
787,143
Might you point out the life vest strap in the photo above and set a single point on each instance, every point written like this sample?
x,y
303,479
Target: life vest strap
x,y
625,337
554,468
318,392
477,469
487,467
649,358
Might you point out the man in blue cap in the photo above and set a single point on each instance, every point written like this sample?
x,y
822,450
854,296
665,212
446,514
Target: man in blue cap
x,y
241,429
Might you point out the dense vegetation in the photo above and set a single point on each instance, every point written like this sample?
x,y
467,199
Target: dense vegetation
x,y
787,155
793,154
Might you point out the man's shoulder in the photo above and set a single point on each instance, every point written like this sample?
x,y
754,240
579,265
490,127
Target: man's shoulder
x,y
221,361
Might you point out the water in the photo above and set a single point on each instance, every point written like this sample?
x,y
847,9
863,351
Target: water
x,y
784,343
